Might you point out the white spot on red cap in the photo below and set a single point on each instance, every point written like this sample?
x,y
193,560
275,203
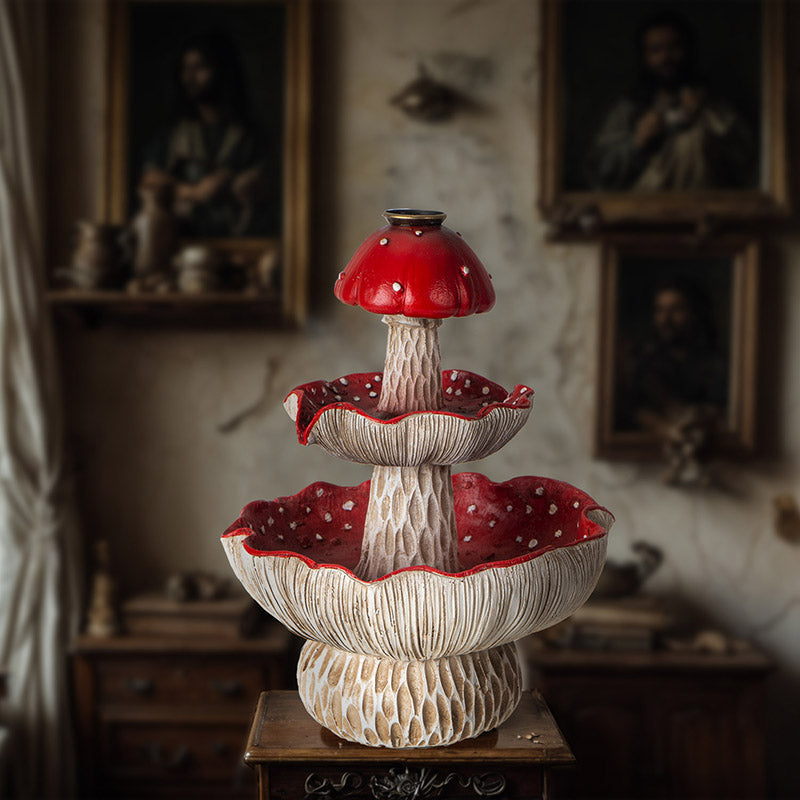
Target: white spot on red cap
x,y
471,509
328,516
492,523
465,269
518,539
384,240
343,381
348,526
398,287
417,232
485,390
373,394
558,533
320,492
348,505
467,538
553,508
532,543
318,538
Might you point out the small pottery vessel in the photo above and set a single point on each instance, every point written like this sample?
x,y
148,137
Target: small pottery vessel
x,y
94,263
412,587
197,269
154,232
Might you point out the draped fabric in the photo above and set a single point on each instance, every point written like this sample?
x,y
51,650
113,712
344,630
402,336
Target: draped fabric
x,y
38,535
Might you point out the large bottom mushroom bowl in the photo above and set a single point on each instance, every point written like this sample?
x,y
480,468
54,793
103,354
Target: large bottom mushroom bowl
x,y
419,657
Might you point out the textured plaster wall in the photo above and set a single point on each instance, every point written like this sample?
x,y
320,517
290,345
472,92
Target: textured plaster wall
x,y
165,456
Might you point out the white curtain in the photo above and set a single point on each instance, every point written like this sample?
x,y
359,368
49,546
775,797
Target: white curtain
x,y
38,538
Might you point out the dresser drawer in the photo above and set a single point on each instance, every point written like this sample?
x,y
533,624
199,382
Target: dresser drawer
x,y
177,680
143,751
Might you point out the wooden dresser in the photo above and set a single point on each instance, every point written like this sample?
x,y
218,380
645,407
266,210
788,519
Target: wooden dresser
x,y
162,717
657,724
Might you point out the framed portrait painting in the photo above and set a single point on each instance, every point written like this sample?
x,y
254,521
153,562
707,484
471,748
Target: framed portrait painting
x,y
659,113
678,329
211,99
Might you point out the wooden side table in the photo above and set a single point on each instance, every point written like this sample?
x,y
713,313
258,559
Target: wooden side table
x,y
297,758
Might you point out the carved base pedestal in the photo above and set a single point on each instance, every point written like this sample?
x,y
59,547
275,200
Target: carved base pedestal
x,y
386,703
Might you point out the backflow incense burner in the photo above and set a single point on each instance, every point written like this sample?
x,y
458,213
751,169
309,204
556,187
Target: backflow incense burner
x,y
412,587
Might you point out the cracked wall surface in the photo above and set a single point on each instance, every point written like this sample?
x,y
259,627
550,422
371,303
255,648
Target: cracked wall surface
x,y
174,430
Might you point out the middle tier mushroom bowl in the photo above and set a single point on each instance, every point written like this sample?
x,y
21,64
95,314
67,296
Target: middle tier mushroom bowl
x,y
412,587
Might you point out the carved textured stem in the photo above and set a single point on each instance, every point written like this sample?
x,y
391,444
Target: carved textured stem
x,y
410,518
410,521
412,375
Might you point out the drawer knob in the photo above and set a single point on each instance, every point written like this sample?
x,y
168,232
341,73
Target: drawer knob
x,y
180,758
140,686
231,688
220,749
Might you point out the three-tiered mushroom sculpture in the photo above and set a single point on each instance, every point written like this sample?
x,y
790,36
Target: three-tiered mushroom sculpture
x,y
412,587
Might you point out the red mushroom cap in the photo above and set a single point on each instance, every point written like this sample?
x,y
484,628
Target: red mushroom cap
x,y
416,267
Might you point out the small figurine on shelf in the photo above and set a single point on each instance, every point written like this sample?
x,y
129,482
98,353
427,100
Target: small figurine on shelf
x,y
94,263
197,585
152,239
102,618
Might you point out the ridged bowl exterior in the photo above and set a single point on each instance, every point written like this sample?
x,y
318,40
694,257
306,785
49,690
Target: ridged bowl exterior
x,y
416,613
478,418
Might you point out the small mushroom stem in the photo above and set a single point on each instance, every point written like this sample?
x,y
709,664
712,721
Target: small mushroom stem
x,y
410,521
410,518
412,374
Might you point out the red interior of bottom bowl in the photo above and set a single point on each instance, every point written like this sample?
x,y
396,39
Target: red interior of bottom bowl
x,y
497,522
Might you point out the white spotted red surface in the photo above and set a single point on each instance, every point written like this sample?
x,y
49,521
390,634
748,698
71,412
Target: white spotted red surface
x,y
418,271
489,534
465,394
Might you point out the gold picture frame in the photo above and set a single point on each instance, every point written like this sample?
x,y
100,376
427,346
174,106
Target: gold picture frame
x,y
280,91
593,63
650,364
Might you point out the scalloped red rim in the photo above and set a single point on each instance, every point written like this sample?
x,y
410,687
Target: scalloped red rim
x,y
491,519
466,395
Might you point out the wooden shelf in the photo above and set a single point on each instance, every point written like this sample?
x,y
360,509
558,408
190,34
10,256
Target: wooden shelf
x,y
206,310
